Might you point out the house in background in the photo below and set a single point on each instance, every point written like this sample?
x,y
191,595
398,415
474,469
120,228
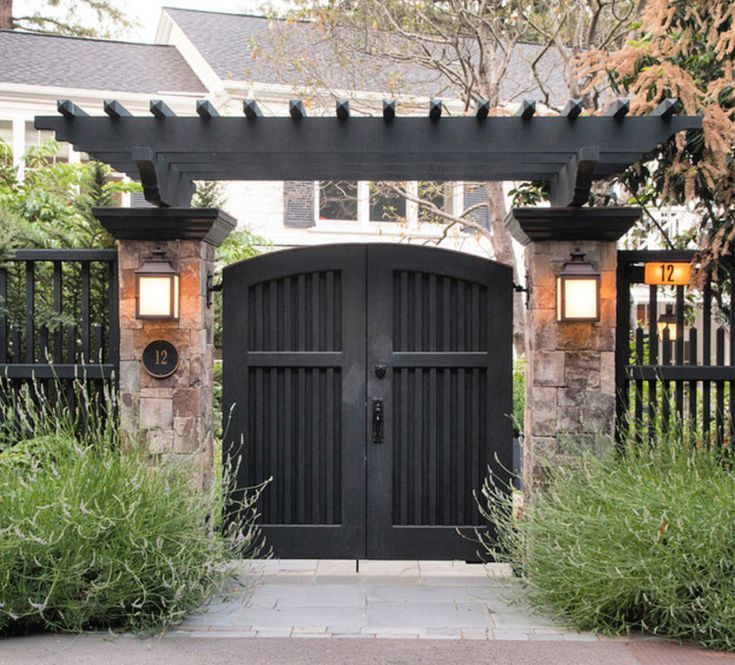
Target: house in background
x,y
221,57
224,58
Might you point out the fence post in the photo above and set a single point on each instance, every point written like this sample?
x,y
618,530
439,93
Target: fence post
x,y
171,417
570,367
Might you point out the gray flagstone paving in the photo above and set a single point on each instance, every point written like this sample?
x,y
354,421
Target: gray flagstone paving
x,y
385,599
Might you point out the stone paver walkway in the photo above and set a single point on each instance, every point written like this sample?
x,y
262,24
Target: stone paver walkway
x,y
409,599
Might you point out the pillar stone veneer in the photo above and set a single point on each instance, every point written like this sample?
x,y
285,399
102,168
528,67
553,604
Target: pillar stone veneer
x,y
171,418
570,367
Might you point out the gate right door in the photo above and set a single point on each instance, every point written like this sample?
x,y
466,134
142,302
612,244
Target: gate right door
x,y
439,397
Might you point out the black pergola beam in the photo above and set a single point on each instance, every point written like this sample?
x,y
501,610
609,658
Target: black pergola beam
x,y
365,148
115,109
69,109
571,186
205,109
482,110
160,109
297,109
342,109
573,109
251,109
618,109
526,109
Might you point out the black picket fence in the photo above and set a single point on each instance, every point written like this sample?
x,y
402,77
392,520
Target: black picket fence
x,y
675,362
59,320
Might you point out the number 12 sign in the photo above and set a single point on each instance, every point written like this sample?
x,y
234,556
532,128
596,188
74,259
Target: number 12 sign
x,y
667,274
160,358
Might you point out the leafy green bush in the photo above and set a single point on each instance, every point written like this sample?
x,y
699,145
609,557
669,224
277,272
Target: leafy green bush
x,y
639,538
92,537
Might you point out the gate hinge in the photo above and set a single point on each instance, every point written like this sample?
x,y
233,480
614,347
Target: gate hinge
x,y
523,289
212,288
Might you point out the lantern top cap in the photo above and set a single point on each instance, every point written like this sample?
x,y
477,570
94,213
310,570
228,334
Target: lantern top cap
x,y
578,266
157,264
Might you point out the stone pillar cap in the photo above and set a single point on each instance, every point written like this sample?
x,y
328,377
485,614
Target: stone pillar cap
x,y
528,225
210,225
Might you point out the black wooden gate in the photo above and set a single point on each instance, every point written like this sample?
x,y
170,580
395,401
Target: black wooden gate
x,y
373,383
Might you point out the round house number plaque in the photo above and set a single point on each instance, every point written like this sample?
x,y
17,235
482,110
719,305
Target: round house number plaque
x,y
160,358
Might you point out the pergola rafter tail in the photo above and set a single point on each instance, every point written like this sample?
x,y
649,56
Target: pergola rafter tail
x,y
168,152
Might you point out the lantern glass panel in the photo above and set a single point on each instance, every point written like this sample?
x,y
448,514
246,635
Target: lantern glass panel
x,y
154,296
580,298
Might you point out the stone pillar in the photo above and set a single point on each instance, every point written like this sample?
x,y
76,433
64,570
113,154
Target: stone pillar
x,y
570,367
172,417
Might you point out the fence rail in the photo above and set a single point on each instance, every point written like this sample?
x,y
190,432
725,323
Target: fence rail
x,y
59,315
682,371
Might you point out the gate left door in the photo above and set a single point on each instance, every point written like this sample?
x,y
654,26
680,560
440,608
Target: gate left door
x,y
294,349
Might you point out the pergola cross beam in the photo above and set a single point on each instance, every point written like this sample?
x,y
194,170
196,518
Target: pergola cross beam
x,y
169,152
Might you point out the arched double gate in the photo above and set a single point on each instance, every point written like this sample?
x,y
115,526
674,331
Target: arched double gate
x,y
373,383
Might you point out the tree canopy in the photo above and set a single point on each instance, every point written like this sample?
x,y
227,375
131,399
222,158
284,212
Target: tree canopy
x,y
78,18
683,49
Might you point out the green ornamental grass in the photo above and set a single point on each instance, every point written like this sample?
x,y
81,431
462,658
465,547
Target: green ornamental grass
x,y
641,538
95,538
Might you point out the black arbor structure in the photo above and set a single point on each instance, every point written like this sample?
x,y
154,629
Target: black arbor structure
x,y
168,153
373,382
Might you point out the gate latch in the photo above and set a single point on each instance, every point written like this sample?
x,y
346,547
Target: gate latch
x,y
377,421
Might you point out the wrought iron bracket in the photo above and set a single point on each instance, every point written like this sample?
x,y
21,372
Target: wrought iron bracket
x,y
518,288
212,288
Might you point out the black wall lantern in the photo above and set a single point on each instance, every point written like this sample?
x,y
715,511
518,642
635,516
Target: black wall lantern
x,y
157,289
578,290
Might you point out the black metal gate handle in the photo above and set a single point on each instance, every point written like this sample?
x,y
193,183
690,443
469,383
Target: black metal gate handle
x,y
377,421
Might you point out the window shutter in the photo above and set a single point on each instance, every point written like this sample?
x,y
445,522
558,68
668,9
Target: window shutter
x,y
474,193
298,203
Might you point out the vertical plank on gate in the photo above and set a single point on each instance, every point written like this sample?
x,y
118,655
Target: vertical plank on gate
x,y
720,387
706,356
85,312
58,305
665,383
3,315
652,358
43,355
693,383
638,385
97,336
30,333
15,341
622,351
113,352
679,358
71,358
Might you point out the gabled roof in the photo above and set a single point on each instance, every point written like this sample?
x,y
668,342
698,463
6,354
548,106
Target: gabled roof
x,y
93,64
238,47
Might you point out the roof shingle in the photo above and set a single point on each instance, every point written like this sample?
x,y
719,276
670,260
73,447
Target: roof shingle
x,y
94,64
240,47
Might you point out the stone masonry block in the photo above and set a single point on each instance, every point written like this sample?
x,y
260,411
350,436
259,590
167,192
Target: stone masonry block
x,y
541,411
160,441
582,369
156,412
548,368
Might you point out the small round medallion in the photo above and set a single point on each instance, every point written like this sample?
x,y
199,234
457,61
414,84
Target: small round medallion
x,y
160,358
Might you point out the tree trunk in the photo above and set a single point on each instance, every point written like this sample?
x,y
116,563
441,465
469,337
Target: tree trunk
x,y
6,14
503,247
